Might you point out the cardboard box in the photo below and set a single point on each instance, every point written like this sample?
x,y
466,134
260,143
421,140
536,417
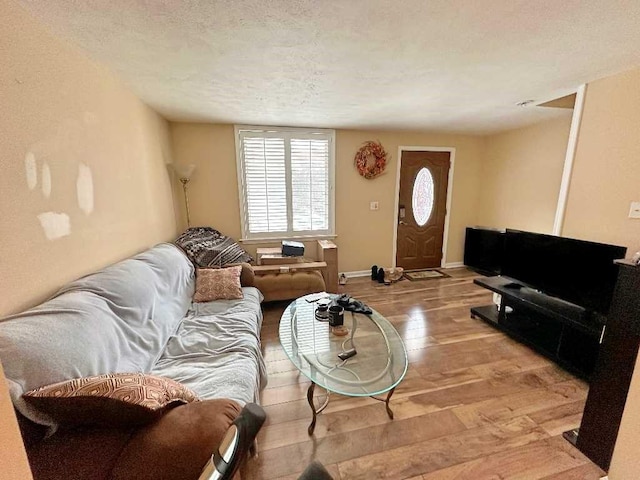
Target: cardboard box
x,y
280,259
262,251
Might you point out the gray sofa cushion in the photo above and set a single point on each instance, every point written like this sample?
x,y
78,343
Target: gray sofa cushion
x,y
115,320
216,352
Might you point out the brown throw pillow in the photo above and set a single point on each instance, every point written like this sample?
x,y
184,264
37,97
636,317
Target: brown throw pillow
x,y
218,284
112,400
247,275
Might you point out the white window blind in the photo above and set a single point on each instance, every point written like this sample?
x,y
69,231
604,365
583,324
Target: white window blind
x,y
285,178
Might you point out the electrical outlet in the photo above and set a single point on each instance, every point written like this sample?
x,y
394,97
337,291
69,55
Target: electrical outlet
x,y
634,211
373,205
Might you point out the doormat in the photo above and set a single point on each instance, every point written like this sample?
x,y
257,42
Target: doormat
x,y
427,274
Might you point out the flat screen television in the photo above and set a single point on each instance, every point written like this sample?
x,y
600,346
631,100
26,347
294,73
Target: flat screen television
x,y
483,249
577,271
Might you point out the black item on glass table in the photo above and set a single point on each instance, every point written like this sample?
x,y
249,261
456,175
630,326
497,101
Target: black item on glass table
x,y
352,305
292,249
347,354
513,285
322,309
323,304
336,316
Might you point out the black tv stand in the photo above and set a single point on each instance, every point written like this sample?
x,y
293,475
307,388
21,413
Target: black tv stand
x,y
564,332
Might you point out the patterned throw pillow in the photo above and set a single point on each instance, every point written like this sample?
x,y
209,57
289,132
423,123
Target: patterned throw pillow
x,y
207,247
218,284
111,400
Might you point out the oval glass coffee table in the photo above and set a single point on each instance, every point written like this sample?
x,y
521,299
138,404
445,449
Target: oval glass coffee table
x,y
378,366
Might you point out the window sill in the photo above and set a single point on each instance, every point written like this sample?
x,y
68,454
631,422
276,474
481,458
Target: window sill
x,y
300,238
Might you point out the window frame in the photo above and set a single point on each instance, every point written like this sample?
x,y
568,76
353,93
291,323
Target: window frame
x,y
287,132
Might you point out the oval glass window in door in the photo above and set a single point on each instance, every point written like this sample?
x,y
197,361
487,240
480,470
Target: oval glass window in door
x,y
422,197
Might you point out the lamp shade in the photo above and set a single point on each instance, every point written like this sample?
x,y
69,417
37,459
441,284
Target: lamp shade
x,y
184,171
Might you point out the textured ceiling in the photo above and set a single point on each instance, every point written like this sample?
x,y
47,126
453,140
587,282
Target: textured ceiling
x,y
442,65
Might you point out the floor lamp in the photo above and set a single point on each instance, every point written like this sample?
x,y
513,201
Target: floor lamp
x,y
184,175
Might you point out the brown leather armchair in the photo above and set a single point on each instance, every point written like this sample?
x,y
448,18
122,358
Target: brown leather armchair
x,y
214,434
237,442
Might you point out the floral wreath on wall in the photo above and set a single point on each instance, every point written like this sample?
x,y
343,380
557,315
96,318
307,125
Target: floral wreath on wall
x,y
371,159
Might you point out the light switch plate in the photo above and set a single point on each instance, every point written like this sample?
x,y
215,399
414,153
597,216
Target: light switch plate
x,y
634,211
375,206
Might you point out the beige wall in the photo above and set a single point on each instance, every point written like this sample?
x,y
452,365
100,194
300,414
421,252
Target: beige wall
x,y
213,189
606,172
61,111
606,178
365,237
521,174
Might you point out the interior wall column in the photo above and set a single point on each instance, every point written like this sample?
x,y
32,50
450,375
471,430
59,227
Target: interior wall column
x,y
572,145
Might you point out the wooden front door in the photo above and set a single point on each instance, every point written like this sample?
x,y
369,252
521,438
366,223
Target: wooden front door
x,y
422,208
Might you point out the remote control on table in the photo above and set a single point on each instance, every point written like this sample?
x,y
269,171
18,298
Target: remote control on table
x,y
347,354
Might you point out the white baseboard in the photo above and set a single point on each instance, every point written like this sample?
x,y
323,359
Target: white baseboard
x,y
358,273
454,265
604,478
366,273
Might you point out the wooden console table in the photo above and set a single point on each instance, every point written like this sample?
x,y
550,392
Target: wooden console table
x,y
289,268
270,260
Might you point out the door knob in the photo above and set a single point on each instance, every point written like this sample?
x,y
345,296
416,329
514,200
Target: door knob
x,y
402,222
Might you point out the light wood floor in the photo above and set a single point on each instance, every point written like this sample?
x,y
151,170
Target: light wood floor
x,y
473,405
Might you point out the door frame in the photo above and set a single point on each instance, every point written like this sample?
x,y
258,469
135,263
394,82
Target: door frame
x,y
445,236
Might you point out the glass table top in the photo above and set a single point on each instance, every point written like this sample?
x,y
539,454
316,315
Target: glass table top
x,y
379,365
